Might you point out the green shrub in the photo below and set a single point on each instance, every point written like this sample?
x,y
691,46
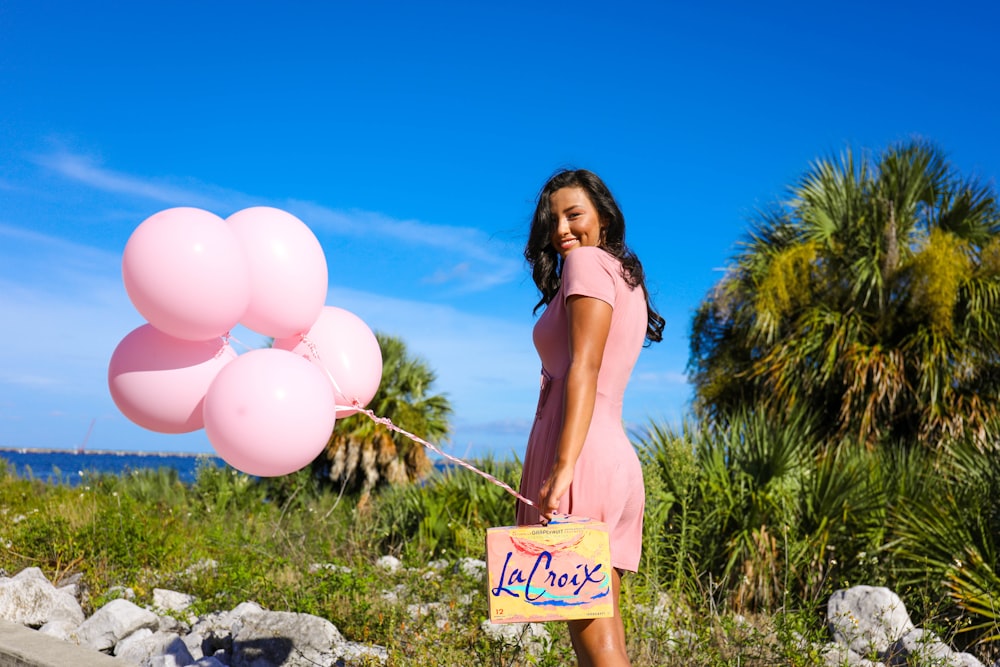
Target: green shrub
x,y
747,533
448,514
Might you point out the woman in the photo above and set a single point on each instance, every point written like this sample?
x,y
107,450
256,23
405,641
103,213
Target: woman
x,y
597,316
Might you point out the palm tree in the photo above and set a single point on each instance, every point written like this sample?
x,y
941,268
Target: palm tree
x,y
362,453
870,299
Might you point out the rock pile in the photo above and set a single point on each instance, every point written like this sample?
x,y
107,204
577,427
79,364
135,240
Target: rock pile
x,y
869,627
242,637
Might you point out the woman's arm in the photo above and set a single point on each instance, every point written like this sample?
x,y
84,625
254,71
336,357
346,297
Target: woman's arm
x,y
589,324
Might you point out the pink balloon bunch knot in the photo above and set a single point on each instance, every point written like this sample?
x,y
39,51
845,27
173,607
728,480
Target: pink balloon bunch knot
x,y
311,345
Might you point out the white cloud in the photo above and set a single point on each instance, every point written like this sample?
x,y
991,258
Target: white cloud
x,y
83,169
47,243
30,381
477,260
458,271
495,265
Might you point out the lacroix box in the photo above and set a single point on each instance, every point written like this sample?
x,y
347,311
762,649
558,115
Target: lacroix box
x,y
557,572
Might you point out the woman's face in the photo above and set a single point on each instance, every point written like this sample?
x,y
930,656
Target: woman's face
x,y
577,221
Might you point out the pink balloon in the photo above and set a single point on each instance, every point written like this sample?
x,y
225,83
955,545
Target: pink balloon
x,y
269,412
288,271
343,345
187,273
159,382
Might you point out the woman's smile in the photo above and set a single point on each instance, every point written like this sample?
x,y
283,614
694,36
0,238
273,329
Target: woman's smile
x,y
577,220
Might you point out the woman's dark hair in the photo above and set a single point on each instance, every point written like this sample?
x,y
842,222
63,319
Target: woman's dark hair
x,y
546,268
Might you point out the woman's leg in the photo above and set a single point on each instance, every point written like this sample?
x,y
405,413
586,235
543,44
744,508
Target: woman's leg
x,y
600,642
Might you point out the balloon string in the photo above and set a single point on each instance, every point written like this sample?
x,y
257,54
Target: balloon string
x,y
388,424
315,353
357,407
228,337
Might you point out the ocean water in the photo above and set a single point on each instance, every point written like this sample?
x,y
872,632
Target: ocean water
x,y
70,467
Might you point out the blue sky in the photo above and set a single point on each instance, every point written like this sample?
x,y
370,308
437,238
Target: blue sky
x,y
412,138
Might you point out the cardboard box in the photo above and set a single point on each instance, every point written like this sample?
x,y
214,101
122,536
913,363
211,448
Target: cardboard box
x,y
557,572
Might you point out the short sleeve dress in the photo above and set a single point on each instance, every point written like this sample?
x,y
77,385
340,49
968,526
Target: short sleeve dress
x,y
607,480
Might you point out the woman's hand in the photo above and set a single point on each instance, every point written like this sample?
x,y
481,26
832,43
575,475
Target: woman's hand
x,y
552,491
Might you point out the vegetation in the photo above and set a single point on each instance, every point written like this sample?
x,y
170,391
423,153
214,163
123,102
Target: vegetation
x,y
870,300
748,532
362,454
757,520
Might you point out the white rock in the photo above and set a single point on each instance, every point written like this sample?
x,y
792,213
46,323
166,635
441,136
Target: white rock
x,y
168,600
149,649
923,647
285,638
472,567
532,637
244,608
838,655
395,595
216,629
438,610
113,622
965,660
210,661
194,643
389,563
201,566
71,589
329,567
60,629
353,653
170,624
165,661
867,619
134,638
30,599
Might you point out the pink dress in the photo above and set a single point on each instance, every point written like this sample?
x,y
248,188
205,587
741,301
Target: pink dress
x,y
607,480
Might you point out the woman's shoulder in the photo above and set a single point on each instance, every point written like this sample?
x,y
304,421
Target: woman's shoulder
x,y
588,256
591,271
592,262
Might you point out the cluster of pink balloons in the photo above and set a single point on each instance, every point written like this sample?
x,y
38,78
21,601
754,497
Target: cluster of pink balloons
x,y
194,276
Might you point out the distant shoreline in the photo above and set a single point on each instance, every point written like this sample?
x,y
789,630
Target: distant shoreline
x,y
111,452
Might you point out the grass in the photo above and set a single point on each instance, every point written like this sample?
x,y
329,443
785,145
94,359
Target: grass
x,y
289,544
